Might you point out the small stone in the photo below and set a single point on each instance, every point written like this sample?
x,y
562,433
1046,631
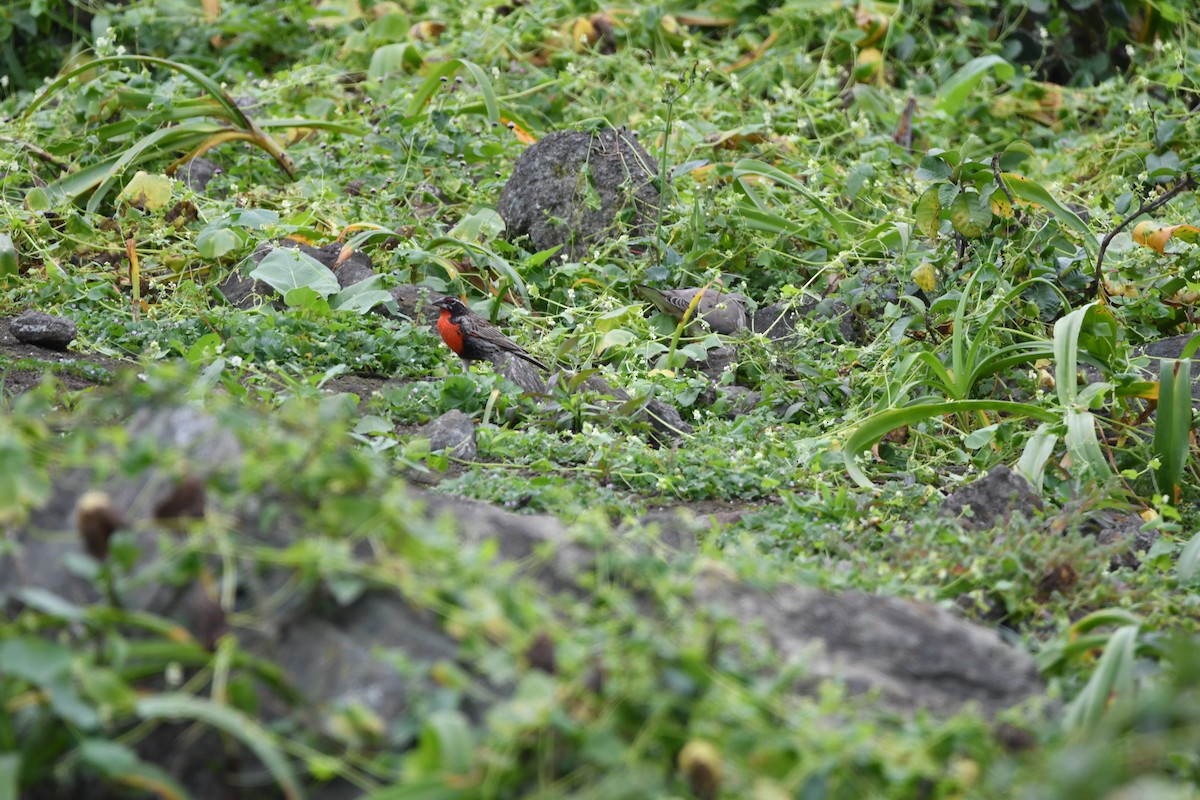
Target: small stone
x,y
198,172
454,433
43,330
992,500
736,401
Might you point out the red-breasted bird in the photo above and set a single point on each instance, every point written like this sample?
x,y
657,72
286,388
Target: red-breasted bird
x,y
724,312
474,338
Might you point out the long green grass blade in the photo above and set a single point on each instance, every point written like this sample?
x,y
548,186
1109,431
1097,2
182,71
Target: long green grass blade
x,y
433,83
1173,425
1032,192
875,427
230,721
749,166
1110,684
1189,560
1083,445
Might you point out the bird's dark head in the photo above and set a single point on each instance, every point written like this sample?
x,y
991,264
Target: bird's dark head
x,y
451,304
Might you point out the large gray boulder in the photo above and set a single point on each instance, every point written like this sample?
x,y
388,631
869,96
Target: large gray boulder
x,y
577,188
337,627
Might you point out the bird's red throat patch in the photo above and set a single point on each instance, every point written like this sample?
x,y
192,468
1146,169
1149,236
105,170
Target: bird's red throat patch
x,y
451,334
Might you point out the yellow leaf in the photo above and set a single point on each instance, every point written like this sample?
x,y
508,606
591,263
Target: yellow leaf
x,y
583,34
873,24
147,191
428,31
1185,297
925,276
1151,235
704,21
868,65
1000,205
523,136
212,10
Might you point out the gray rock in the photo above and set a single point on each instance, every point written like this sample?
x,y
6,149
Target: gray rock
x,y
198,172
992,500
337,636
453,433
665,422
914,655
43,330
241,291
1122,529
736,401
412,302
719,359
553,200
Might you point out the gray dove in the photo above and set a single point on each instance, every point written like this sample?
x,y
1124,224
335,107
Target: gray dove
x,y
724,312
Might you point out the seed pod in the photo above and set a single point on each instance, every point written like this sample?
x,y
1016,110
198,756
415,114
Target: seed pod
x,y
96,520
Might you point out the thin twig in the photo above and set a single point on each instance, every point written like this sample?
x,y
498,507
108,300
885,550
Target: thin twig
x,y
1145,208
1012,201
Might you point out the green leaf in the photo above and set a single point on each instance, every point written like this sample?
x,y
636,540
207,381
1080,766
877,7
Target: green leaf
x,y
750,167
433,83
22,484
285,269
9,266
927,211
955,90
118,764
1084,447
1030,192
933,168
234,723
361,297
388,60
49,603
483,225
107,690
1173,425
1189,560
148,191
10,776
34,660
446,745
969,215
214,242
1037,452
1110,685
879,425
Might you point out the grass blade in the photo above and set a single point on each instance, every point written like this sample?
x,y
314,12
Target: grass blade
x,y
875,427
1173,425
1110,684
751,167
1189,560
234,723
